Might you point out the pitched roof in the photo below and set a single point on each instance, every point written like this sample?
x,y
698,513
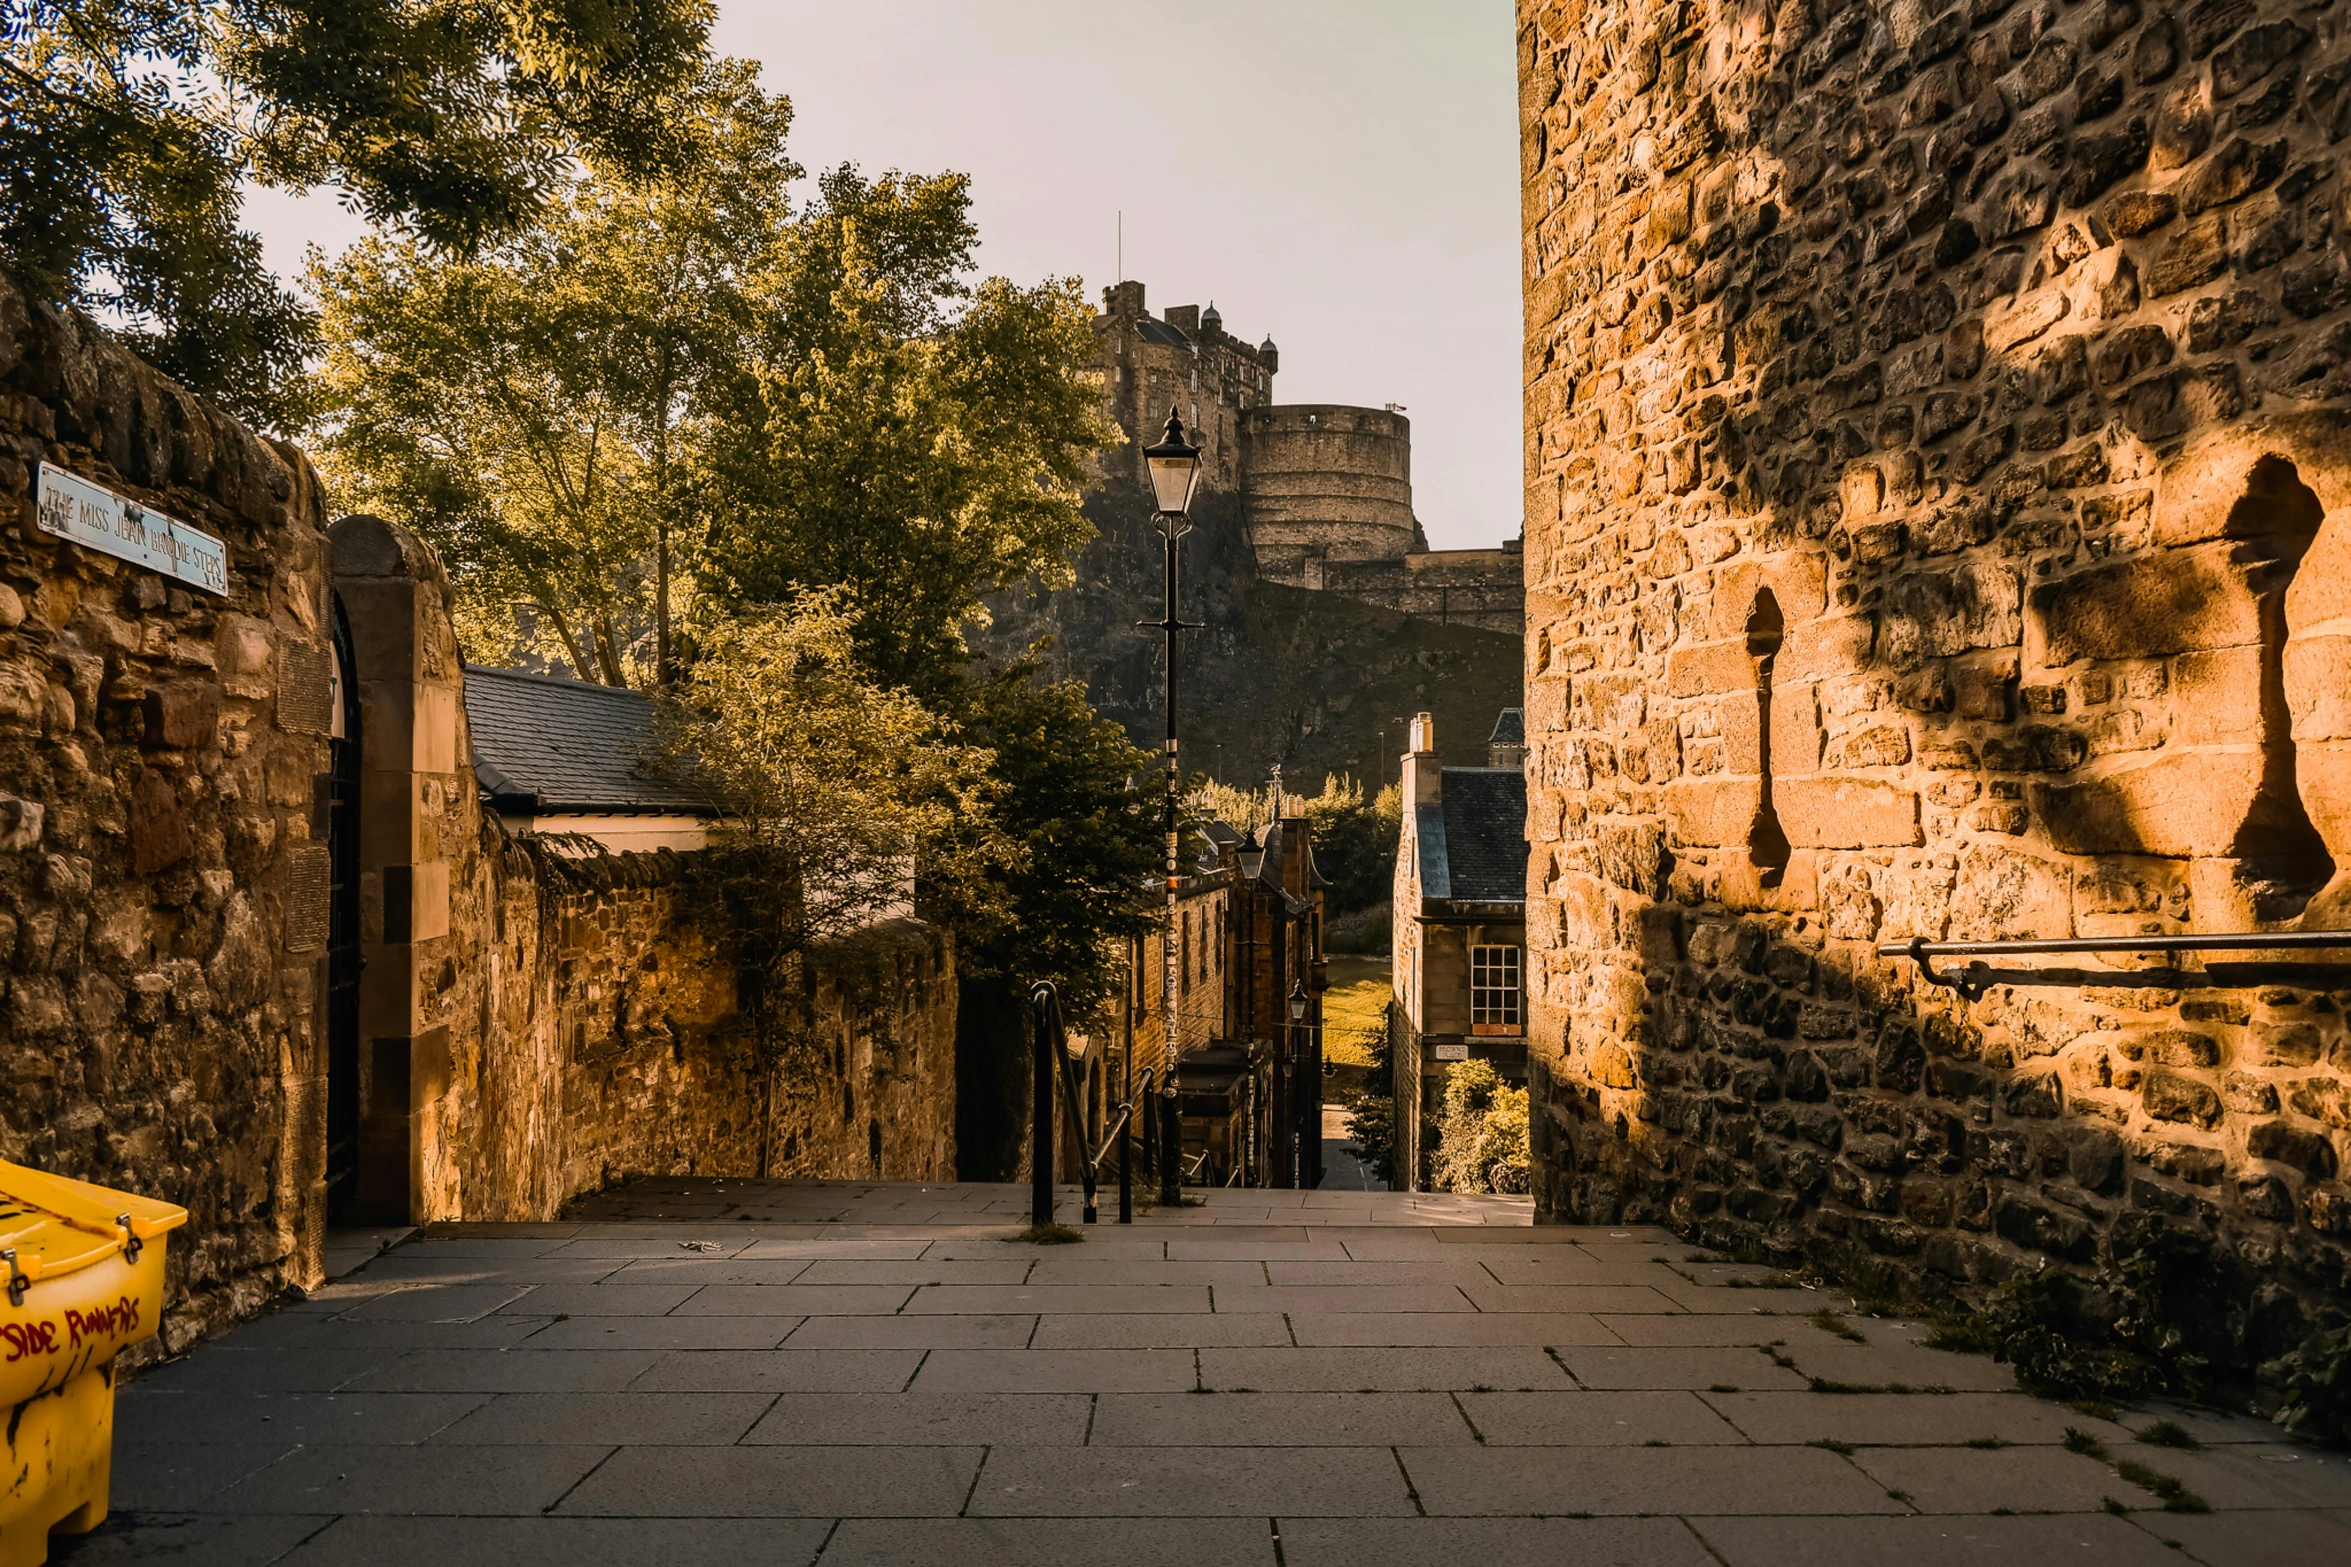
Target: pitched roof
x,y
1510,727
1481,851
546,744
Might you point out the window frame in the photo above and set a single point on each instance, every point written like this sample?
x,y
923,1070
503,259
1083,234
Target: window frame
x,y
1486,959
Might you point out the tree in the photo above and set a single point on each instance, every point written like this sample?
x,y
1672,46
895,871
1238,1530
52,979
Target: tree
x,y
531,410
1482,1132
1355,842
1082,879
832,790
914,441
129,126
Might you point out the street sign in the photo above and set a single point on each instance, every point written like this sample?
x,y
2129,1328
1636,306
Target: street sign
x,y
1452,1052
71,507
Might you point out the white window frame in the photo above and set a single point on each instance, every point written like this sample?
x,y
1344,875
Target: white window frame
x,y
1497,989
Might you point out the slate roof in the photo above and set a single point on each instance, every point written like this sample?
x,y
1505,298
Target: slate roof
x,y
1510,728
546,744
1473,846
1160,332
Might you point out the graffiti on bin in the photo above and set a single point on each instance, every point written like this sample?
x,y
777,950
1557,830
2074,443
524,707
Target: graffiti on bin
x,y
50,1336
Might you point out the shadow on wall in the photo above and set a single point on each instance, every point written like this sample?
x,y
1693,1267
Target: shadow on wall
x,y
1924,541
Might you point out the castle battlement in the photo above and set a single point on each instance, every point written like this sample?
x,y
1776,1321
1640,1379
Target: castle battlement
x,y
1325,489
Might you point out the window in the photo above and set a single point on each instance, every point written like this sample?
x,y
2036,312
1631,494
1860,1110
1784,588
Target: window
x,y
1494,1005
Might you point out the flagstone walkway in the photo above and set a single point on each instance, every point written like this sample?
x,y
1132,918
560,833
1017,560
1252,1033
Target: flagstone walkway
x,y
739,1372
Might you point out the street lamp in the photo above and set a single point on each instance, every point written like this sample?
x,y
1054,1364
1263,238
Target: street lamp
x,y
1290,1082
1174,466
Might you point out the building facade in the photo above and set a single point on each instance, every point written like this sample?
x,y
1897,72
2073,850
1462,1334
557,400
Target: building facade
x,y
1939,526
1325,490
1459,932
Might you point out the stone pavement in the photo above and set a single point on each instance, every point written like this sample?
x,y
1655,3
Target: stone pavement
x,y
739,1372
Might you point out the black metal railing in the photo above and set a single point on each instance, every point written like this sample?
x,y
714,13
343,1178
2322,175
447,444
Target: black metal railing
x,y
1050,1041
1972,981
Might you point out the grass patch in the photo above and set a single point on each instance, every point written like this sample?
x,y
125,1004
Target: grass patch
x,y
2177,1498
2095,1408
2168,1433
1050,1235
2079,1441
1354,1009
1829,1322
2116,1507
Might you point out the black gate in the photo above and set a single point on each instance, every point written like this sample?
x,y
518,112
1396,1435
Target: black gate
x,y
343,957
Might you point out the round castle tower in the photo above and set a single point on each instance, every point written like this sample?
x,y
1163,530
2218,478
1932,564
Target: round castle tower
x,y
1326,483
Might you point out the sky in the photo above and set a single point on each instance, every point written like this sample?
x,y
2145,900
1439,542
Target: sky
x,y
1339,174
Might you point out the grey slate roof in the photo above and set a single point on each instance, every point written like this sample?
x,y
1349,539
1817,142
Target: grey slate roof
x,y
1160,332
547,744
1481,844
1510,728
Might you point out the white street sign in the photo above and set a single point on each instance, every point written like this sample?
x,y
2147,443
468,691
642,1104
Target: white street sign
x,y
94,517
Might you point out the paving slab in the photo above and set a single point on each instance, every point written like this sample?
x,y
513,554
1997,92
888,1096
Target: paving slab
x,y
1053,1542
605,1299
185,1476
592,1332
1378,1370
1696,1330
698,1271
2316,1538
1394,1299
1736,1370
1592,1298
2091,1540
1180,1330
1056,1266
1063,1299
1521,1480
508,1371
810,1300
776,1481
607,1419
436,1265
197,1539
1059,1371
1882,1419
923,1270
925,1419
780,1371
1593,1419
561,1542
1190,1482
998,1332
147,1414
1457,1329
295,1330
1868,1365
1278,1420
224,1368
1978,1480
449,1481
1491,1542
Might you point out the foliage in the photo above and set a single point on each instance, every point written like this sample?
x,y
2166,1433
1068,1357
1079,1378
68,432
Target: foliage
x,y
1481,1133
832,790
914,441
1373,1119
2121,1332
129,127
2314,1382
1085,848
531,410
1354,842
1243,810
1355,1010
1368,930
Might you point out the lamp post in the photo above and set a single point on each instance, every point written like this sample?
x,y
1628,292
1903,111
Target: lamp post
x,y
1174,466
1290,1083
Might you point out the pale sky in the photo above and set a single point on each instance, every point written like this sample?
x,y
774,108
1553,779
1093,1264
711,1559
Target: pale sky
x,y
1341,174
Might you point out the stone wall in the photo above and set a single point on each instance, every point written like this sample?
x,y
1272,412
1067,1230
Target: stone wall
x,y
162,933
1484,588
166,880
1939,524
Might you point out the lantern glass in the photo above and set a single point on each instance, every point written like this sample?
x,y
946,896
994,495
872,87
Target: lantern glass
x,y
1175,469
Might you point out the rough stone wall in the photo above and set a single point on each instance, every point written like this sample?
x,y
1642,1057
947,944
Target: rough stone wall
x,y
1939,524
1483,588
161,937
1325,482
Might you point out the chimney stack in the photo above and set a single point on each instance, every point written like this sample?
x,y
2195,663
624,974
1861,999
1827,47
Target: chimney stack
x,y
1423,778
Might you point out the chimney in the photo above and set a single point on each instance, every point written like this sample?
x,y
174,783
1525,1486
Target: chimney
x,y
1422,782
1185,319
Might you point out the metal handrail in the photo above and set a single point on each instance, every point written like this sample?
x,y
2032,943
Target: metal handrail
x,y
1976,978
1052,1040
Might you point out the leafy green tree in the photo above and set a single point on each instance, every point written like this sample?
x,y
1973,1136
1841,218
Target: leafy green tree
x,y
128,128
1082,879
531,409
915,441
1354,842
1481,1133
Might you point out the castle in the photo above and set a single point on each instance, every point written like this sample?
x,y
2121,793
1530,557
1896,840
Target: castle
x,y
1325,491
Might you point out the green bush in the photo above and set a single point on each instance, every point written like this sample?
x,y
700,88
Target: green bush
x,y
1482,1134
2315,1380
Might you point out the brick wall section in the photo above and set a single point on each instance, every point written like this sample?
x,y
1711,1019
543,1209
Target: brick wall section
x,y
1939,523
160,1029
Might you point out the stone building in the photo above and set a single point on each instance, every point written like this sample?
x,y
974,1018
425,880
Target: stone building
x,y
1325,491
266,951
1249,932
1459,929
1939,525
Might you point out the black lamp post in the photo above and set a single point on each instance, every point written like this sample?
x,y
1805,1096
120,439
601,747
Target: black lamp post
x,y
1290,1082
1174,466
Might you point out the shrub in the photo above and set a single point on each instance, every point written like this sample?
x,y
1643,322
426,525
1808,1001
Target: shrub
x,y
1482,1135
2315,1380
